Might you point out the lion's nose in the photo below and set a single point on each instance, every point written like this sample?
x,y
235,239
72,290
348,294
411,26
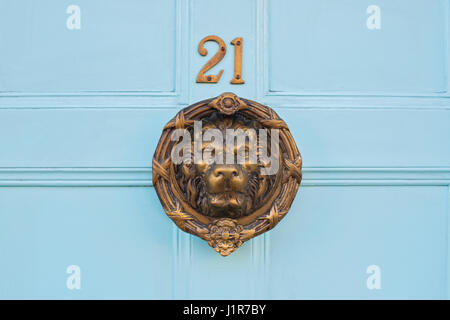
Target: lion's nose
x,y
227,172
225,178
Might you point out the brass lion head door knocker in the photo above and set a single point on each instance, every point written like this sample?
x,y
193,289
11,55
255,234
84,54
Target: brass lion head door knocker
x,y
226,169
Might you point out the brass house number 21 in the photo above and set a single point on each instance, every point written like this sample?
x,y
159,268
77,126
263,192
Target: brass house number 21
x,y
237,77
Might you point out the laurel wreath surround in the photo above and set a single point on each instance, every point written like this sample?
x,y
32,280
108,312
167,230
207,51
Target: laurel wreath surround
x,y
226,235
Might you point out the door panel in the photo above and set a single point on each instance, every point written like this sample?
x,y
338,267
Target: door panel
x,y
41,55
358,226
114,235
127,138
333,52
81,111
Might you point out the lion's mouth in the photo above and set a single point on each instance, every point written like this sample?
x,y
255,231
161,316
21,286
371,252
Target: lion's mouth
x,y
229,199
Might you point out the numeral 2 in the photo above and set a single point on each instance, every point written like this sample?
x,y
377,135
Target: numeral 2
x,y
237,76
213,61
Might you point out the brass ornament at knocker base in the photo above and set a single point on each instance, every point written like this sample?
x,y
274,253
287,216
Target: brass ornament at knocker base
x,y
226,205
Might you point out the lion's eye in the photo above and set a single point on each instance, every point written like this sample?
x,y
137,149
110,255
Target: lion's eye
x,y
202,166
241,149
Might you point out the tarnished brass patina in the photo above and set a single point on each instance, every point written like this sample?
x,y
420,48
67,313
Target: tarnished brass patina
x,y
226,204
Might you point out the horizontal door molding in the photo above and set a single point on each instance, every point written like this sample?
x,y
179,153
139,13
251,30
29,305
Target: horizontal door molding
x,y
142,177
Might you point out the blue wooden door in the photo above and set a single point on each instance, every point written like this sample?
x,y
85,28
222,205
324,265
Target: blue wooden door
x,y
86,87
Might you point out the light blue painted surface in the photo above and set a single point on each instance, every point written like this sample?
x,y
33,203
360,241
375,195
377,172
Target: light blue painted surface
x,y
111,233
104,55
332,51
401,229
236,19
81,112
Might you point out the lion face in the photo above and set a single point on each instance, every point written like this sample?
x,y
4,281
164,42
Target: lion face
x,y
224,190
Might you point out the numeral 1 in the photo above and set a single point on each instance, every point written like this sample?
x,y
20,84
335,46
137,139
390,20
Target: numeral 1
x,y
237,77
